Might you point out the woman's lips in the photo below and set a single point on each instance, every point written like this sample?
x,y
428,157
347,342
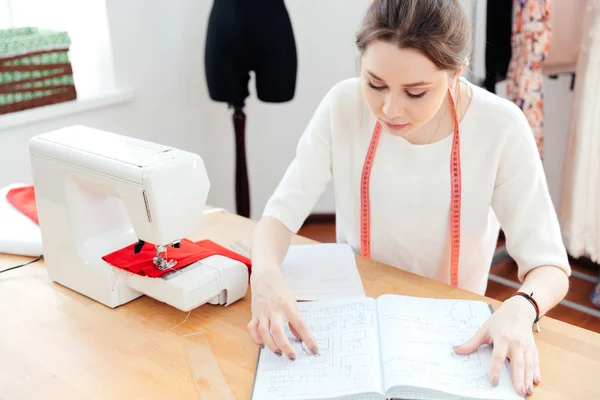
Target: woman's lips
x,y
394,127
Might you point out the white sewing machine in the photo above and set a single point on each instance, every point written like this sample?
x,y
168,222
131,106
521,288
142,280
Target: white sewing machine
x,y
98,192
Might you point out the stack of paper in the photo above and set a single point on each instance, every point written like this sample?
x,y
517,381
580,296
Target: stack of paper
x,y
322,271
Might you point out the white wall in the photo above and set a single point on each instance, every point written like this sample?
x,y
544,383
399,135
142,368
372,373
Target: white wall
x,y
155,52
159,50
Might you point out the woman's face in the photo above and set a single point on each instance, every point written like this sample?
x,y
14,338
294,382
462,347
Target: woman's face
x,y
402,87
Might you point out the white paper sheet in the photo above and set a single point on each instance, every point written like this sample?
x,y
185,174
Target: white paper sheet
x,y
18,234
322,271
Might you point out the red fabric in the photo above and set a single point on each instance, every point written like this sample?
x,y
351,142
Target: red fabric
x,y
188,253
23,199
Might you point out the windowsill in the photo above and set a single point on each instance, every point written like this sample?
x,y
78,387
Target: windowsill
x,y
38,114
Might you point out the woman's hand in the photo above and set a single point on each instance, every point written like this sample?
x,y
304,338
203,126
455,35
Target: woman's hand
x,y
510,331
274,304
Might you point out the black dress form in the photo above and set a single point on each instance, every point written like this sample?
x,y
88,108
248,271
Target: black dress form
x,y
498,48
244,36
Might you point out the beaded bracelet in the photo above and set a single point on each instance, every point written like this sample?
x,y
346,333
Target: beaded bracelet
x,y
535,305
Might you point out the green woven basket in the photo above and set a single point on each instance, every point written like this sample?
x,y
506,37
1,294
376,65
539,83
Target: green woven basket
x,y
35,69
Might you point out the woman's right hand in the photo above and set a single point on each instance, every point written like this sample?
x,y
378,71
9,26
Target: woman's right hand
x,y
274,304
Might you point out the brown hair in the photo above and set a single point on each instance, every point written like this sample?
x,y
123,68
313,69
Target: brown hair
x,y
440,29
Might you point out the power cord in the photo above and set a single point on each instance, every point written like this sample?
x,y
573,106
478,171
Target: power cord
x,y
23,265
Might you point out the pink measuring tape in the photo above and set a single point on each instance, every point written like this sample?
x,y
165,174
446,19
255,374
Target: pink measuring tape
x,y
455,177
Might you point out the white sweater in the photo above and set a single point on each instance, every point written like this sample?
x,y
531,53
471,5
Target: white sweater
x,y
502,181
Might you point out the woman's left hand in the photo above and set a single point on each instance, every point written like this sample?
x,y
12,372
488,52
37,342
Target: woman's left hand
x,y
509,330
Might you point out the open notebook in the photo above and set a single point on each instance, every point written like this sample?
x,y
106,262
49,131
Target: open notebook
x,y
394,346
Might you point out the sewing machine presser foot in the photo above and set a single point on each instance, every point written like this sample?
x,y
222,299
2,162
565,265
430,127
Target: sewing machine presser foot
x,y
160,262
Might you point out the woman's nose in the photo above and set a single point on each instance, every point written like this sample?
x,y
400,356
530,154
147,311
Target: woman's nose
x,y
393,107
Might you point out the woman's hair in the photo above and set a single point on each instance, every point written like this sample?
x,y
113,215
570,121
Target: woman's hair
x,y
440,29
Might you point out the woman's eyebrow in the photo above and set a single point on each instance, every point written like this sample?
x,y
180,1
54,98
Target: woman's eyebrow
x,y
406,85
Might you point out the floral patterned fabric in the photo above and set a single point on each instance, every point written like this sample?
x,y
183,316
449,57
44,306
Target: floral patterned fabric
x,y
530,44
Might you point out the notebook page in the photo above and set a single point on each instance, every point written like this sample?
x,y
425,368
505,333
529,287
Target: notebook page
x,y
417,335
346,333
322,271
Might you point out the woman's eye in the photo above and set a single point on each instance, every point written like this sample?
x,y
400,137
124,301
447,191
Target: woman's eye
x,y
376,87
416,96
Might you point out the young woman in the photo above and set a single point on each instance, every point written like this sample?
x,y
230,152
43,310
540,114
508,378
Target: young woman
x,y
426,167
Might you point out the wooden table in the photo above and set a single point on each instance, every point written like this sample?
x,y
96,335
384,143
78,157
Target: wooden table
x,y
57,344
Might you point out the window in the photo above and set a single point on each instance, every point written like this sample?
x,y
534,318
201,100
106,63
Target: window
x,y
87,24
5,15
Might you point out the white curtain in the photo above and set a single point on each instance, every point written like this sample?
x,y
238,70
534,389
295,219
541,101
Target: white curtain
x,y
579,209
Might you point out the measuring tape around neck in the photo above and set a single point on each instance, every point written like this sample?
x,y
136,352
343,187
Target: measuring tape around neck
x,y
455,196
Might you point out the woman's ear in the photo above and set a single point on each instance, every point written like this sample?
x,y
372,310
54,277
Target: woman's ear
x,y
462,69
459,73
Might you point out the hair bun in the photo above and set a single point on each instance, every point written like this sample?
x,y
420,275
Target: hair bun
x,y
439,28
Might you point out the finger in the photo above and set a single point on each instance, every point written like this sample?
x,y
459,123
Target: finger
x,y
295,332
517,365
538,375
253,332
498,361
304,333
264,330
529,370
472,344
281,338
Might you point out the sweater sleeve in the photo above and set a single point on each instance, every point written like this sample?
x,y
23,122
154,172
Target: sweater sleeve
x,y
522,204
309,173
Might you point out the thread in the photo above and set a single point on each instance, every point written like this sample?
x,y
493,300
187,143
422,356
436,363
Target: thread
x,y
182,322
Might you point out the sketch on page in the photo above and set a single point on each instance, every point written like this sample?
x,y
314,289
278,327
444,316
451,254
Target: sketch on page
x,y
322,271
425,358
347,336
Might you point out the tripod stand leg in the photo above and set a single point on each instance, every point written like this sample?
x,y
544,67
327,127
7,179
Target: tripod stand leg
x,y
242,191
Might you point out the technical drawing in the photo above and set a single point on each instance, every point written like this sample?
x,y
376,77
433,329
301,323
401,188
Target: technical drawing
x,y
357,366
323,345
473,367
304,358
350,315
464,314
353,341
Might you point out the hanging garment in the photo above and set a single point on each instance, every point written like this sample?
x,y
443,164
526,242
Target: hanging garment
x,y
498,34
579,209
567,28
530,44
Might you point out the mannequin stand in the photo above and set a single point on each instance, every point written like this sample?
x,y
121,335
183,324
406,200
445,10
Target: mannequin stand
x,y
242,191
245,36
